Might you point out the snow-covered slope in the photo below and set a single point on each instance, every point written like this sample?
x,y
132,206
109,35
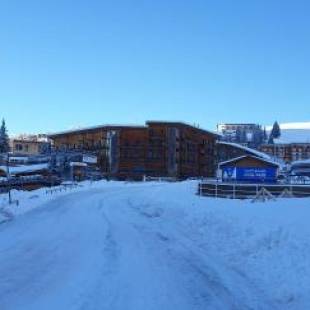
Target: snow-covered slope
x,y
151,246
293,133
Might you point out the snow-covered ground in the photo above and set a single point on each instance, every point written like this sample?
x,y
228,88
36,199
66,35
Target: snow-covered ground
x,y
152,246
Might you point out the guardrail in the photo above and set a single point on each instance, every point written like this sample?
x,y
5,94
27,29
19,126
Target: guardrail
x,y
61,188
27,183
246,191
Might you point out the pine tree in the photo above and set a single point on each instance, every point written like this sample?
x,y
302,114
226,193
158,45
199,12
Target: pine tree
x,y
275,133
265,136
4,138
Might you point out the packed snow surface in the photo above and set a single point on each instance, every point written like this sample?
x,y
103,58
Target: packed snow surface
x,y
152,246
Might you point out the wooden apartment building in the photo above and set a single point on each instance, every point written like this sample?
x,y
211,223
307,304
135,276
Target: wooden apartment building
x,y
289,152
159,149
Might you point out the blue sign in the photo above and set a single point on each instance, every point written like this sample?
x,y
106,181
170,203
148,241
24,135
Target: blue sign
x,y
250,174
256,174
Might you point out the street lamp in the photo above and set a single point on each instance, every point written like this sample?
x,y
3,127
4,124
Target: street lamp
x,y
8,176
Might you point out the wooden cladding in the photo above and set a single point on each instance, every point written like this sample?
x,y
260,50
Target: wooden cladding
x,y
162,149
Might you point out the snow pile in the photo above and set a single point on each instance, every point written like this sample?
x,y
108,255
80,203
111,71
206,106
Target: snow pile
x,y
25,201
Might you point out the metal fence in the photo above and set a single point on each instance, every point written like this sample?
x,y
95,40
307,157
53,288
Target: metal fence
x,y
22,183
245,191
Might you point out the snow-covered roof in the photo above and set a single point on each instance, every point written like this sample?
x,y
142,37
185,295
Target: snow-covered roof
x,y
296,125
77,164
81,129
215,133
301,162
90,128
18,159
251,156
24,169
290,136
246,149
293,133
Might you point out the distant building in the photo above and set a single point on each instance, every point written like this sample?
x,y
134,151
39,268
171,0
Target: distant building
x,y
288,152
30,145
251,135
158,149
293,144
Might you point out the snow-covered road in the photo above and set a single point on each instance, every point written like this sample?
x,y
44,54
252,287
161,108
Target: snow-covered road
x,y
118,248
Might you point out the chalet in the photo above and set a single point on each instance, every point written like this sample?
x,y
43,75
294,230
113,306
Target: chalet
x,y
249,168
159,149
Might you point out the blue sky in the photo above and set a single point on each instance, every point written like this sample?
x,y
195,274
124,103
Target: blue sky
x,y
77,63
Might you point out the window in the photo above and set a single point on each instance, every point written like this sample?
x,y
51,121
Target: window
x,y
18,147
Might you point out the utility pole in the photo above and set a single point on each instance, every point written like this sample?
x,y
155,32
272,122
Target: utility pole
x,y
8,176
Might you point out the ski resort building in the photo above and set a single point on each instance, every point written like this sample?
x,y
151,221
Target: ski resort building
x,y
288,152
293,143
157,149
251,135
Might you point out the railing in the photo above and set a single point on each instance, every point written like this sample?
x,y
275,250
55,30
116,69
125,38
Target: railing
x,y
62,188
244,191
24,182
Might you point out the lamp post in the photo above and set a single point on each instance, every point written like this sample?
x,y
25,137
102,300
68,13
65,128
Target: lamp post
x,y
8,176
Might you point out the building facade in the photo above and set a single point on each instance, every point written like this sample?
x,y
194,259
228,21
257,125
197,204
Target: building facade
x,y
251,135
289,152
29,146
158,149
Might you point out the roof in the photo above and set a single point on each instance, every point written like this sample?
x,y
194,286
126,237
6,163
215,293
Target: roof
x,y
293,133
238,124
293,136
77,164
29,141
24,169
300,163
111,126
246,149
93,128
179,123
234,160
